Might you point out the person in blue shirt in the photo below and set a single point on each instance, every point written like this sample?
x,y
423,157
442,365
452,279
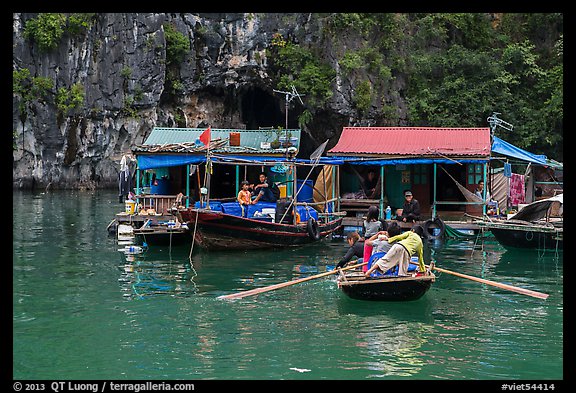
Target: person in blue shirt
x,y
266,190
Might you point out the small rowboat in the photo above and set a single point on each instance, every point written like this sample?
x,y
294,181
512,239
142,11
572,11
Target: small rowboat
x,y
389,288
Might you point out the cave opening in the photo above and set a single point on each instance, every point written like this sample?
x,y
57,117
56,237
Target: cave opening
x,y
259,108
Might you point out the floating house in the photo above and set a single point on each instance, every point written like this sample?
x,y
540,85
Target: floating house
x,y
172,164
170,160
420,159
441,166
367,166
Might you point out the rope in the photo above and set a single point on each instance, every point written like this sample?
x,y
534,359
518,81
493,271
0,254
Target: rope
x,y
193,239
191,249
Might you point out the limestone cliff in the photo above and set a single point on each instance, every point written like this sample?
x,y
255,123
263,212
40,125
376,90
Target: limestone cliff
x,y
130,85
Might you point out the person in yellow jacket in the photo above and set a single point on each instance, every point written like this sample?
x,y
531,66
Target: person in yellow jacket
x,y
404,247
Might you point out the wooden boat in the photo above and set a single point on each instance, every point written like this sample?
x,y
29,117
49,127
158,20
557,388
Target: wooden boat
x,y
518,234
531,227
217,230
387,288
163,235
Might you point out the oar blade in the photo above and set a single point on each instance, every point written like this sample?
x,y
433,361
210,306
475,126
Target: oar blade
x,y
508,287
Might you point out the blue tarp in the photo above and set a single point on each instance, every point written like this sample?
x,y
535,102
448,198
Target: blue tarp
x,y
500,146
152,161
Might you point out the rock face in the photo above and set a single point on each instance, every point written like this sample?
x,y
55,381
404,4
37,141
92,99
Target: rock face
x,y
130,86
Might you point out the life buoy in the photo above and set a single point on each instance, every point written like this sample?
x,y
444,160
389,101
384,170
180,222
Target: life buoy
x,y
313,229
439,223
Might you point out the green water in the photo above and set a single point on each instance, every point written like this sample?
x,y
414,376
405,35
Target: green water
x,y
84,310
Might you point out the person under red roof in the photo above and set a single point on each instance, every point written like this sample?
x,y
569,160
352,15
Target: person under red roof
x,y
411,208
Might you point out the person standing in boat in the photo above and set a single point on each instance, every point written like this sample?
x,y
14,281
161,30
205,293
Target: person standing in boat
x,y
405,246
411,208
244,196
266,190
356,249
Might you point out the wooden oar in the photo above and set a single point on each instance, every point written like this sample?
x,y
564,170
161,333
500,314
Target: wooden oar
x,y
256,291
495,284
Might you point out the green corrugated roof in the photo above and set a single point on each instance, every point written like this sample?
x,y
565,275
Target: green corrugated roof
x,y
249,139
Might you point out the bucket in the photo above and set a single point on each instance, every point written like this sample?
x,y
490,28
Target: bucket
x,y
234,139
282,188
306,193
130,207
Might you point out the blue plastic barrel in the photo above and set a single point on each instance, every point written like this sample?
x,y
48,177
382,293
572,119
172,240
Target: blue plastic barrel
x,y
161,188
306,194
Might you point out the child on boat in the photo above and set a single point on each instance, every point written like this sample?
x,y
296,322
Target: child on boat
x,y
371,227
244,196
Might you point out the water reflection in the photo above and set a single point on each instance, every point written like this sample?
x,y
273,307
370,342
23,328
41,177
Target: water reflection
x,y
391,334
145,275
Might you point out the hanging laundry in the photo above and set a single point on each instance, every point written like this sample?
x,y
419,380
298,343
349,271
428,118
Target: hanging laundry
x,y
124,180
507,169
517,189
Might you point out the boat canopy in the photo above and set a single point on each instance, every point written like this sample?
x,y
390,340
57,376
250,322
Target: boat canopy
x,y
151,161
537,210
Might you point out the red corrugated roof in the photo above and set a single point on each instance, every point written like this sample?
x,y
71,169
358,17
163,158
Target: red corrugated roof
x,y
413,141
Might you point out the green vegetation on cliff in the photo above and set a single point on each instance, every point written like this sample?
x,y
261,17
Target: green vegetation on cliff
x,y
450,70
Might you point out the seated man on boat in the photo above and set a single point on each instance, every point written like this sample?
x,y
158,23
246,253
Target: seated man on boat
x,y
405,246
411,208
266,190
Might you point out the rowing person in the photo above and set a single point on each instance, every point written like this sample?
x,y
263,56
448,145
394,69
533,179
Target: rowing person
x,y
356,249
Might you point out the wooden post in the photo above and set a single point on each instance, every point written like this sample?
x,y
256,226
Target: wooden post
x,y
434,197
295,197
187,185
484,191
325,196
237,179
382,213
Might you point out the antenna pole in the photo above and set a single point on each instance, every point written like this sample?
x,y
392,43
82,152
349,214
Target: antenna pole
x,y
494,121
289,96
286,106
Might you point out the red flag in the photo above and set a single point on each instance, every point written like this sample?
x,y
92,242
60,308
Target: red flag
x,y
205,136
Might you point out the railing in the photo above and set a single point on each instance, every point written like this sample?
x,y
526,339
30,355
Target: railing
x,y
160,203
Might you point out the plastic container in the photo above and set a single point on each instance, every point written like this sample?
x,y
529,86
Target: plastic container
x,y
306,193
133,249
130,207
388,213
282,188
234,139
161,188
